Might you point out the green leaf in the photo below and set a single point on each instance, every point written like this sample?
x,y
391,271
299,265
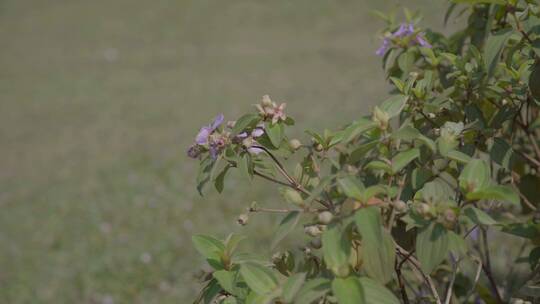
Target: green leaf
x,y
244,122
458,156
394,105
204,174
377,245
275,132
231,243
493,49
352,187
475,175
259,278
495,192
501,152
312,290
353,130
478,216
230,300
402,159
209,293
245,165
226,280
377,293
348,291
534,77
286,226
336,250
255,298
501,2
431,246
292,286
208,246
456,244
220,179
436,191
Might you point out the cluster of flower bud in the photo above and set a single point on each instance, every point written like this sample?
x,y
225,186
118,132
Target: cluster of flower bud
x,y
269,110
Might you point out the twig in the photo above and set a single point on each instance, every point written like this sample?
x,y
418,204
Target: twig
x,y
414,262
476,277
293,183
401,283
486,266
449,291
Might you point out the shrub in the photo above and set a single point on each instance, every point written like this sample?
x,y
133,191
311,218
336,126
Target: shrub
x,y
405,204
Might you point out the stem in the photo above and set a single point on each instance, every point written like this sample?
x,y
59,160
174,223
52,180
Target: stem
x,y
401,283
414,262
486,266
292,182
451,285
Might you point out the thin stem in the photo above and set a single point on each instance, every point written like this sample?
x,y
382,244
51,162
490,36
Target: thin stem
x,y
401,283
416,266
292,182
270,210
449,291
486,266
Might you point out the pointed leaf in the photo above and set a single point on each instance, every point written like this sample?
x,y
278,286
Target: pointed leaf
x,y
259,278
292,286
286,226
431,246
348,291
377,293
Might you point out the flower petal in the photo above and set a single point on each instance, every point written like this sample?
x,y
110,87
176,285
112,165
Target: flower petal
x,y
217,121
202,136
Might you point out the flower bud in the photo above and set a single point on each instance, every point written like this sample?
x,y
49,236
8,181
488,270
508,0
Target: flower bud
x,y
424,210
231,124
381,117
325,217
449,218
243,219
318,147
295,144
312,230
315,243
400,206
266,101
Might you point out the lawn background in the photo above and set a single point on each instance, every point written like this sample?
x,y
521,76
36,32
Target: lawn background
x,y
99,101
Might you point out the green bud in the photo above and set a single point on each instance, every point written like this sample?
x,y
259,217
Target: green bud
x,y
318,147
312,230
381,117
325,217
295,144
400,206
243,219
315,243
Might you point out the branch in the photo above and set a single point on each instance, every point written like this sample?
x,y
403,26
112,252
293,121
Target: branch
x,y
414,262
401,282
292,182
486,266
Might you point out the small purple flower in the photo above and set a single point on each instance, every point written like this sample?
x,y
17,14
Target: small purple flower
x,y
255,150
405,30
422,41
204,133
383,48
257,132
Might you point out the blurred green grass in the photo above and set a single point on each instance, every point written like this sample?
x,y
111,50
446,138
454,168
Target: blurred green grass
x,y
99,100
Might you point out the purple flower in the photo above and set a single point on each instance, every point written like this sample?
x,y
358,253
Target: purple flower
x,y
405,30
257,132
204,133
383,48
422,41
